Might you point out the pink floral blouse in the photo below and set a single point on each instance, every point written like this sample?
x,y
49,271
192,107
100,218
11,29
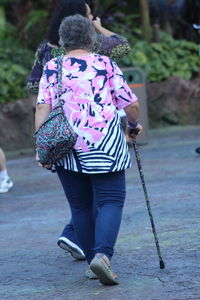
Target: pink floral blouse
x,y
93,89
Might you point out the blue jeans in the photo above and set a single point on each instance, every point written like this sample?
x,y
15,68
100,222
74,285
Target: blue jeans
x,y
102,193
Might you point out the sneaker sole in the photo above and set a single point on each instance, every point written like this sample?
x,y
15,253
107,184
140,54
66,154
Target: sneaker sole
x,y
72,248
102,274
4,191
91,275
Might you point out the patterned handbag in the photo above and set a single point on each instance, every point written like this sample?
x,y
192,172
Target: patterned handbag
x,y
55,137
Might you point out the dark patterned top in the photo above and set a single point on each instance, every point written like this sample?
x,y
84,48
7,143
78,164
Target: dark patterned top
x,y
114,46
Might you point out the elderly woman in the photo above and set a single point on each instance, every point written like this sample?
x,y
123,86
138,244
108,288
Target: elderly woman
x,y
107,43
93,174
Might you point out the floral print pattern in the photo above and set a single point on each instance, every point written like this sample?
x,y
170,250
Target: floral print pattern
x,y
93,87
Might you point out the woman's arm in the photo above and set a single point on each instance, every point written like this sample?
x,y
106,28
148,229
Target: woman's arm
x,y
47,94
124,98
41,114
132,112
100,29
109,43
132,115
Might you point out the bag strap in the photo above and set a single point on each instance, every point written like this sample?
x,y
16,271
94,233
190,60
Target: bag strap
x,y
59,66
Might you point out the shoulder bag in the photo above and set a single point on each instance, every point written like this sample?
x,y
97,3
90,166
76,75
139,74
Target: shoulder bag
x,y
55,137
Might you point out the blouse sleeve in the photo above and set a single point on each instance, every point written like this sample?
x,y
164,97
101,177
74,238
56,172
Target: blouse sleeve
x,y
48,84
121,93
37,69
114,46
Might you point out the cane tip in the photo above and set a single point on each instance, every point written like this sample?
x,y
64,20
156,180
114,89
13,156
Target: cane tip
x,y
162,265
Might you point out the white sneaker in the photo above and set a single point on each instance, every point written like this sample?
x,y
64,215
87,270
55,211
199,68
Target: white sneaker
x,y
71,247
5,185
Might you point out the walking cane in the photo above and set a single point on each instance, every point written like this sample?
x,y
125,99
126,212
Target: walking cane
x,y
162,265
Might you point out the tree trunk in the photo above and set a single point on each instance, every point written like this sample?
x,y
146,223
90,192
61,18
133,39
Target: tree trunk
x,y
2,22
146,27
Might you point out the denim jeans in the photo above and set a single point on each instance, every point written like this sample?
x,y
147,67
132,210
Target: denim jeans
x,y
96,202
69,233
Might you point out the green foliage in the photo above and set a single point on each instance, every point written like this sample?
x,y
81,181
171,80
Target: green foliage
x,y
30,18
35,27
33,18
170,57
15,63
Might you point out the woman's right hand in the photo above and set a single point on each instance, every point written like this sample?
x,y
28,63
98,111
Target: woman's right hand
x,y
133,133
97,23
100,29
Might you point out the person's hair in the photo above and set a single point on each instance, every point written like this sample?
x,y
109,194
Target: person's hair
x,y
77,32
64,9
92,5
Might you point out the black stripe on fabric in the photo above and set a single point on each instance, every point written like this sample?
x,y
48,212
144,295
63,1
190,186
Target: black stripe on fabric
x,y
97,166
122,162
109,133
79,168
93,161
115,144
96,155
119,149
96,170
113,129
122,165
127,161
70,160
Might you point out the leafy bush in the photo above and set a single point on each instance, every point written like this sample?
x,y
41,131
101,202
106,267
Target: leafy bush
x,y
170,57
16,63
35,26
30,18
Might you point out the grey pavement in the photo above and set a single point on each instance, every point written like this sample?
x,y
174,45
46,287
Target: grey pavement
x,y
35,210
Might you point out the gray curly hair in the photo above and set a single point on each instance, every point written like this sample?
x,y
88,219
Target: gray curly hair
x,y
76,32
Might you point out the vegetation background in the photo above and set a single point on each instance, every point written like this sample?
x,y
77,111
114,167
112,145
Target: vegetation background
x,y
160,33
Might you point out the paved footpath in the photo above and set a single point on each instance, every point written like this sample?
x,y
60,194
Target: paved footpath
x,y
34,211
